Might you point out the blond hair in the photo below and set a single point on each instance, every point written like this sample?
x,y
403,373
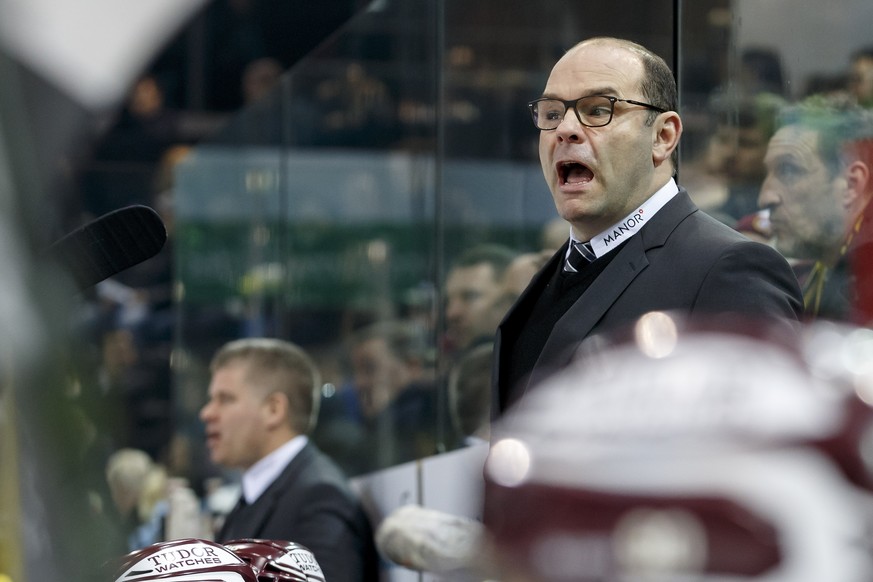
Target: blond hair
x,y
274,365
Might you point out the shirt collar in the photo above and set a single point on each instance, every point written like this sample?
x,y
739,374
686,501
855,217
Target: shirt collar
x,y
260,475
632,223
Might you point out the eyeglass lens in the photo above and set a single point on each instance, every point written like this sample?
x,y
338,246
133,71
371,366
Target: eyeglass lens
x,y
593,111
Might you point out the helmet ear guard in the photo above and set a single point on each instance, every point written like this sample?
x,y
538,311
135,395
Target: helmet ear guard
x,y
277,561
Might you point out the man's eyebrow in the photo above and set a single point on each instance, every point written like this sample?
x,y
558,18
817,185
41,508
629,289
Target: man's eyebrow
x,y
783,157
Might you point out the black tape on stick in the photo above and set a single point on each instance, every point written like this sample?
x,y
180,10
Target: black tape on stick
x,y
110,244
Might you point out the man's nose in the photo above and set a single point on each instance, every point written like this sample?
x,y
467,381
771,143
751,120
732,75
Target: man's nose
x,y
570,129
768,195
453,310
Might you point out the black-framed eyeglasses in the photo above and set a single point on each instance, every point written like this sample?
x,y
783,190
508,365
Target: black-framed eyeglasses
x,y
592,111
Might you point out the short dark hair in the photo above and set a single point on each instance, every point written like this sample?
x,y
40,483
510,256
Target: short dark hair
x,y
496,255
274,365
469,392
757,111
404,339
658,84
865,52
837,120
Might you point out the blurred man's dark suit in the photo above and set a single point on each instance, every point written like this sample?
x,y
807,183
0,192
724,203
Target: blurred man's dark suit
x,y
311,504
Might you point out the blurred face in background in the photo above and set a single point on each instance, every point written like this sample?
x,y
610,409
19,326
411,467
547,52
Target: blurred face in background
x,y
469,298
737,153
236,418
379,374
803,195
861,80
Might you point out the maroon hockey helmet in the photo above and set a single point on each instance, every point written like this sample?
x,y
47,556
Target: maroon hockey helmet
x,y
277,561
691,451
184,560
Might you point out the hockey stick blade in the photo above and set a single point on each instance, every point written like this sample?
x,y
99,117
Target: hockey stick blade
x,y
110,244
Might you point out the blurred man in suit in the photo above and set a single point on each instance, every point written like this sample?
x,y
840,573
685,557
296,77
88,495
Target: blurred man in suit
x,y
263,398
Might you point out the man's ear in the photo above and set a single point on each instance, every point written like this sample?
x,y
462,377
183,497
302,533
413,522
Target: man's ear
x,y
275,409
859,186
665,136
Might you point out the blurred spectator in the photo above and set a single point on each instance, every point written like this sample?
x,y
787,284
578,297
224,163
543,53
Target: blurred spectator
x,y
387,358
146,126
520,271
469,394
818,186
393,419
861,76
734,154
139,381
761,71
260,77
826,84
471,283
236,39
263,402
144,293
727,174
508,289
136,320
357,108
554,233
725,179
138,487
469,378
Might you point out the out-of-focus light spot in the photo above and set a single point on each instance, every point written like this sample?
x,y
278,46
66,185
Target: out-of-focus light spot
x,y
864,389
660,542
508,462
857,354
656,334
377,251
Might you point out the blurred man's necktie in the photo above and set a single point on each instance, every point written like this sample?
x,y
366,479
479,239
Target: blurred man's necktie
x,y
580,255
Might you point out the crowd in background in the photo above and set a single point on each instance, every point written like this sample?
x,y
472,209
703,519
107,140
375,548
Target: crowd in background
x,y
418,382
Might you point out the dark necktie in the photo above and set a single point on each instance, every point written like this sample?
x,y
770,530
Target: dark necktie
x,y
580,255
232,526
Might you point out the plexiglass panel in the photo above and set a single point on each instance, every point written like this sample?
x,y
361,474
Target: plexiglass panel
x,y
365,208
775,99
395,169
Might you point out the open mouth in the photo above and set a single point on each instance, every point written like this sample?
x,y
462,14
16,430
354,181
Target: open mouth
x,y
574,173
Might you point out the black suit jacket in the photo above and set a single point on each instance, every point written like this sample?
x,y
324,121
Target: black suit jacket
x,y
682,261
311,504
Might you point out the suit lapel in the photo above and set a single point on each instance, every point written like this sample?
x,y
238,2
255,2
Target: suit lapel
x,y
251,520
578,322
582,317
509,323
